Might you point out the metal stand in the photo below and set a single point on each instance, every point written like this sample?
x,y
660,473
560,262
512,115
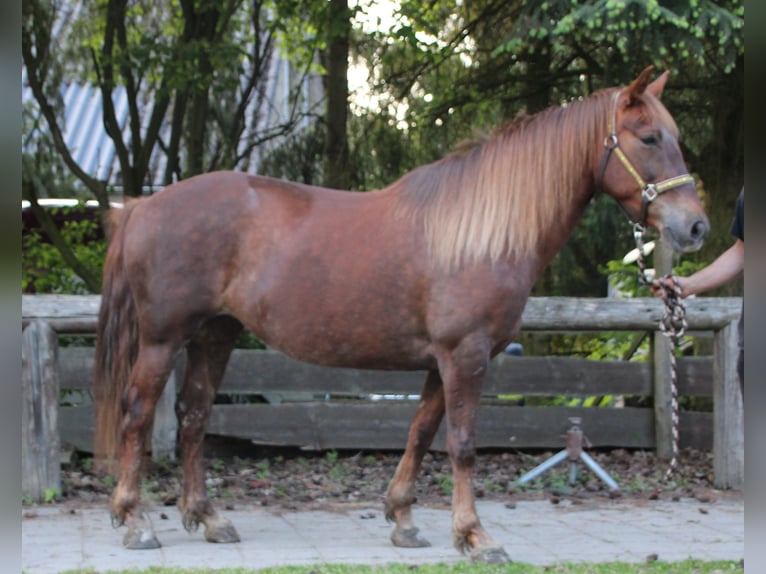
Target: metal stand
x,y
572,452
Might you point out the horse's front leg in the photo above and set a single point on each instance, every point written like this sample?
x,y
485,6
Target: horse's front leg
x,y
400,495
147,379
463,371
207,358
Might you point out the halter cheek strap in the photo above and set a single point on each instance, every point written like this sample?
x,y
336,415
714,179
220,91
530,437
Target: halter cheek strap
x,y
649,191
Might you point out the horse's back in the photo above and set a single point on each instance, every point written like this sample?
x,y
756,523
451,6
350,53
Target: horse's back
x,y
261,250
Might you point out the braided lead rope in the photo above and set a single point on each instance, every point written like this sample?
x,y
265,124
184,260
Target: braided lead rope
x,y
673,325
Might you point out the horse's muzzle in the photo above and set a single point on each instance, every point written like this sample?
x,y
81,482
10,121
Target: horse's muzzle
x,y
689,239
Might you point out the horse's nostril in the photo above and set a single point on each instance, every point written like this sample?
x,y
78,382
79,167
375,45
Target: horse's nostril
x,y
699,229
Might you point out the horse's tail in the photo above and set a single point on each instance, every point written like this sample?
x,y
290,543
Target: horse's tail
x,y
116,345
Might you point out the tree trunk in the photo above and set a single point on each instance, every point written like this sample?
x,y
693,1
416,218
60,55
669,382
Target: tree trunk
x,y
337,173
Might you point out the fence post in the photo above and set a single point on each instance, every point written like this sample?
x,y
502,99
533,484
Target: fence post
x,y
165,426
728,416
663,412
661,349
40,442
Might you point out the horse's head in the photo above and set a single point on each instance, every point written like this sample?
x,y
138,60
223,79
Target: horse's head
x,y
643,169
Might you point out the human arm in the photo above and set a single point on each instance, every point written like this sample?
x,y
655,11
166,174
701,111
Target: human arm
x,y
725,268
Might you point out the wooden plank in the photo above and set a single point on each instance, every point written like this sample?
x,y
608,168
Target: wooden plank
x,y
565,376
251,371
383,425
40,444
165,425
77,427
75,366
663,412
610,314
729,440
65,313
268,371
662,371
695,376
78,313
696,430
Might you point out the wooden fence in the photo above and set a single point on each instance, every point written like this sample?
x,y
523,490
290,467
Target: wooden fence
x,y
299,414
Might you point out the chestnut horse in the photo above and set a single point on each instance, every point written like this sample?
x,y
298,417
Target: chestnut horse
x,y
431,273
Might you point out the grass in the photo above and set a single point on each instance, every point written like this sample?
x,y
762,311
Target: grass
x,y
684,567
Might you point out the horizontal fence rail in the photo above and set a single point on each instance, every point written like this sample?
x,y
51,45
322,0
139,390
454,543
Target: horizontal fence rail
x,y
78,313
298,414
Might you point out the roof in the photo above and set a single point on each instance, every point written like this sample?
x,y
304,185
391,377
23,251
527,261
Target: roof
x,y
93,149
51,202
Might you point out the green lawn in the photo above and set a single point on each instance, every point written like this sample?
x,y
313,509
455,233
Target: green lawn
x,y
685,567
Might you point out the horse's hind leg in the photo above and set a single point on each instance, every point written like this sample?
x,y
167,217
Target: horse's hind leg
x,y
208,354
401,491
147,379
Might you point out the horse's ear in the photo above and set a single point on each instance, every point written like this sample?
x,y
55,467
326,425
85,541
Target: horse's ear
x,y
658,85
640,84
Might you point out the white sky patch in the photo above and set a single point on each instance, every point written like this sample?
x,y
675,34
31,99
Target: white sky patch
x,y
382,16
372,17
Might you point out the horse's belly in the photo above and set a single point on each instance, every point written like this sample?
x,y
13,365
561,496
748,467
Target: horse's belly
x,y
327,333
350,324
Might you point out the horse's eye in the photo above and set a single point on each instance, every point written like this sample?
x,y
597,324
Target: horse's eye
x,y
650,139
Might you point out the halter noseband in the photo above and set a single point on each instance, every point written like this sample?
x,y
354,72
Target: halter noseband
x,y
649,191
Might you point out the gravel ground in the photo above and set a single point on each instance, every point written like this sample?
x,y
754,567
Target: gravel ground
x,y
291,479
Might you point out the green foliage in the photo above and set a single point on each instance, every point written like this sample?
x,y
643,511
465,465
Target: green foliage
x,y
624,276
338,471
247,340
445,483
444,69
51,494
667,34
87,464
331,456
43,269
264,469
298,157
439,72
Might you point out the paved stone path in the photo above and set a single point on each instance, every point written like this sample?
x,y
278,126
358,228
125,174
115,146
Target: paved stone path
x,y
57,538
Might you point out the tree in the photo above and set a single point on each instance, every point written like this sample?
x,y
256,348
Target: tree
x,y
701,42
337,172
461,65
193,72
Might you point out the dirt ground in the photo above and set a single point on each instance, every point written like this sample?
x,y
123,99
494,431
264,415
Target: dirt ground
x,y
290,479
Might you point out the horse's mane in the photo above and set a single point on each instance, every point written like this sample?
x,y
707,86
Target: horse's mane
x,y
492,199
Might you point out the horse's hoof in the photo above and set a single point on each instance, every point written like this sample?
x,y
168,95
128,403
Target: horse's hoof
x,y
140,539
408,538
223,532
491,555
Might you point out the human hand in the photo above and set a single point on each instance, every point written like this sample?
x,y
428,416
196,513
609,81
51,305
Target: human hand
x,y
658,286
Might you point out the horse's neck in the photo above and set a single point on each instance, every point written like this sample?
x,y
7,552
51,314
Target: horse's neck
x,y
554,238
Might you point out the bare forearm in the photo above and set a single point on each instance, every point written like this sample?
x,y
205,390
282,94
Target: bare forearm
x,y
725,268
